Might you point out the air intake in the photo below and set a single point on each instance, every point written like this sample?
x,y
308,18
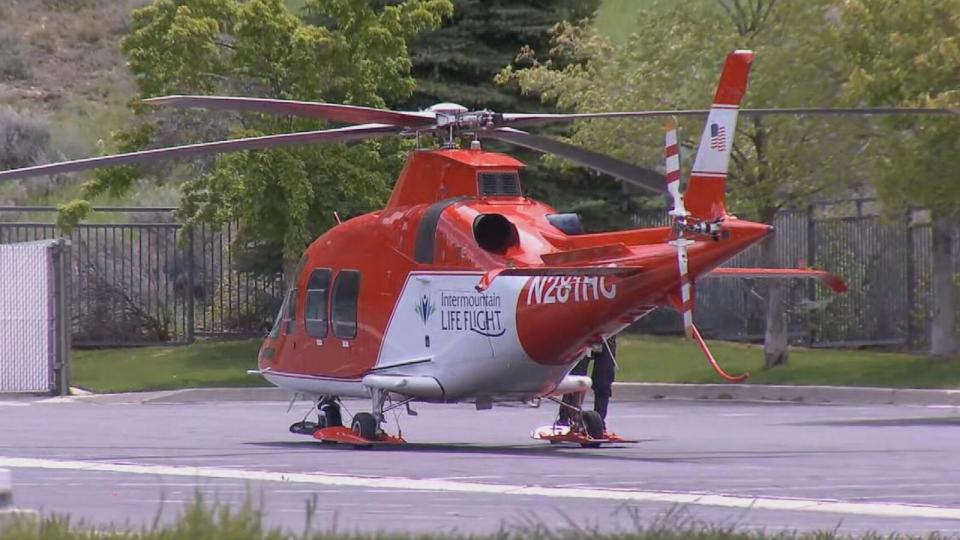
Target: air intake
x,y
499,184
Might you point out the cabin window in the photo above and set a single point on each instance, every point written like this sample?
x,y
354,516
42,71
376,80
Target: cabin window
x,y
315,311
346,293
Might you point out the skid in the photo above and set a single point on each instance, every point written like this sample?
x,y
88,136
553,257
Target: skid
x,y
559,434
344,435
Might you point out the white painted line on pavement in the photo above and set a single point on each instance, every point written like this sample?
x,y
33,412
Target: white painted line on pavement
x,y
426,484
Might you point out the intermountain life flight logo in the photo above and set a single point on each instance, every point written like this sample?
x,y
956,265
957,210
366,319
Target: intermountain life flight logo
x,y
463,311
425,308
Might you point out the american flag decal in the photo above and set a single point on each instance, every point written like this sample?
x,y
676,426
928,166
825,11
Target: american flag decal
x,y
718,137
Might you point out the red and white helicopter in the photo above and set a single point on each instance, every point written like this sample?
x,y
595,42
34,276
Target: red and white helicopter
x,y
463,290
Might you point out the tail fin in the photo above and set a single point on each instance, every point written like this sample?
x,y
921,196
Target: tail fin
x,y
706,193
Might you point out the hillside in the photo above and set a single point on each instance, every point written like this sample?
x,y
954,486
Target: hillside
x,y
61,68
61,58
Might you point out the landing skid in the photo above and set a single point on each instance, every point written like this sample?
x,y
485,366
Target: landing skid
x,y
577,426
343,435
563,434
364,431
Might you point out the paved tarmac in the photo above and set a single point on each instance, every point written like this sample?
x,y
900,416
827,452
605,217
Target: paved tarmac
x,y
770,466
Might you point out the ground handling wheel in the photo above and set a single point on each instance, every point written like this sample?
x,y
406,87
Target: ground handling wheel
x,y
593,426
366,426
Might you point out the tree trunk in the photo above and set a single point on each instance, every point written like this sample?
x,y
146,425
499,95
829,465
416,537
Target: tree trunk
x,y
943,338
775,352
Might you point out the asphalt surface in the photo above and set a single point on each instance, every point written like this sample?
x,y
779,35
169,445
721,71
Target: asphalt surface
x,y
882,468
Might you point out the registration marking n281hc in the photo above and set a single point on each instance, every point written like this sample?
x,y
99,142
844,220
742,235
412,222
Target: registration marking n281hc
x,y
566,289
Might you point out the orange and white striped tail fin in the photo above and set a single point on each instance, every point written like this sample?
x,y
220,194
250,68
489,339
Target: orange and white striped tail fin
x,y
671,151
706,192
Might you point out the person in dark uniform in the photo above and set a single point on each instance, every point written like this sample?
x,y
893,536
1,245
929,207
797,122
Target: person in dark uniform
x,y
604,363
603,375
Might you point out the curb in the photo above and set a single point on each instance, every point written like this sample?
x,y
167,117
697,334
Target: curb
x,y
626,392
793,394
201,395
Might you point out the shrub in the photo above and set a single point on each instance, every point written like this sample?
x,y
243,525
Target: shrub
x,y
67,5
88,31
12,66
44,39
23,139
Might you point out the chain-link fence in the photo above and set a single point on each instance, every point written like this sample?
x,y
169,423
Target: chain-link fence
x,y
34,317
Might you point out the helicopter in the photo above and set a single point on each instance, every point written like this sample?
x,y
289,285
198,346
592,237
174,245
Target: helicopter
x,y
462,289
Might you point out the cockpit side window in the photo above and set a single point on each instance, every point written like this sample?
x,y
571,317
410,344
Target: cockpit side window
x,y
275,331
290,313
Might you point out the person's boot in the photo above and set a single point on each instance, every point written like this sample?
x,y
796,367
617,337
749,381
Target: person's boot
x,y
565,416
600,405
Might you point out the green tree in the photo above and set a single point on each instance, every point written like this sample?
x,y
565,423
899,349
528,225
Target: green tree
x,y
672,62
459,62
281,198
908,53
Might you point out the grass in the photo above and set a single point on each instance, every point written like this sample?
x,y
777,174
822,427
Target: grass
x,y
201,520
210,364
653,359
641,359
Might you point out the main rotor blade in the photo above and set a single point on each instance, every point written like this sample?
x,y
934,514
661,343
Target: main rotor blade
x,y
642,177
521,119
350,114
365,131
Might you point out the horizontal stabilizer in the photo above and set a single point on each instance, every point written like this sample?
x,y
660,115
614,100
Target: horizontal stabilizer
x,y
833,281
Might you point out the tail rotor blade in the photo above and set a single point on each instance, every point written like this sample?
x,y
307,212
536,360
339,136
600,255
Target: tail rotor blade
x,y
671,150
686,287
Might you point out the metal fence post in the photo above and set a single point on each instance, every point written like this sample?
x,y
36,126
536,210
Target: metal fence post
x,y
190,285
811,262
64,318
911,280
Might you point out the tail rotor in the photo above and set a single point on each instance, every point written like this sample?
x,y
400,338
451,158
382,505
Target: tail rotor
x,y
672,154
707,187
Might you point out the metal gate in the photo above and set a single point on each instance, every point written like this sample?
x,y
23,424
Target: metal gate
x,y
34,317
